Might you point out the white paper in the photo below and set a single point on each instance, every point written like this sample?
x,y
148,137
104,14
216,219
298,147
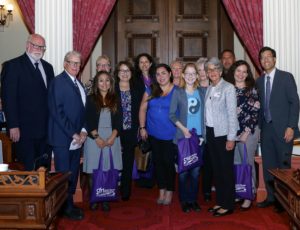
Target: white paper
x,y
74,145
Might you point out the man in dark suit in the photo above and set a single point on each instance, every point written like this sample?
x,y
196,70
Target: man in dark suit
x,y
25,82
278,121
66,125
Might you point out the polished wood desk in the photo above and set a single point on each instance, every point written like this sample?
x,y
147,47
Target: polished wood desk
x,y
31,200
287,192
261,193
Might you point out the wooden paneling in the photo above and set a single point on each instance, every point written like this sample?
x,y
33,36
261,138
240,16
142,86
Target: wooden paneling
x,y
168,30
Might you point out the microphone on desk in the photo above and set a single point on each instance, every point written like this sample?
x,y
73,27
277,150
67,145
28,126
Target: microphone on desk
x,y
42,157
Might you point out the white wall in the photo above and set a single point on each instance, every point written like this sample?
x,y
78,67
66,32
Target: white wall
x,y
13,38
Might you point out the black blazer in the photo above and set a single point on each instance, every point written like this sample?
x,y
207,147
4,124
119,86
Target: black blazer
x,y
24,96
136,98
92,117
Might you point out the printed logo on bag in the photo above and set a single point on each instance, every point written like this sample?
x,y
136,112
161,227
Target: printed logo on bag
x,y
189,160
102,192
240,188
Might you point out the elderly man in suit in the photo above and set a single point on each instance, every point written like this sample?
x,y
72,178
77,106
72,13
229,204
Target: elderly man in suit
x,y
66,125
278,121
25,82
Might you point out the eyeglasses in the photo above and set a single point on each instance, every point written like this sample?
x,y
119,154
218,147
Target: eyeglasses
x,y
74,64
103,65
123,71
43,48
212,70
190,74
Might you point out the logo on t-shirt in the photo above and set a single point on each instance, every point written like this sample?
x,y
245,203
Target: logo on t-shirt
x,y
193,105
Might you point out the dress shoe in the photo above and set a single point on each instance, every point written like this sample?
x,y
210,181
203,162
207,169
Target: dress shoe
x,y
125,198
207,197
73,214
185,207
94,206
160,201
265,204
105,207
278,209
214,209
227,212
246,205
195,206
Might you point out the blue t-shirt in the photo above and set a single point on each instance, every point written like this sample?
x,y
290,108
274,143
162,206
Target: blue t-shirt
x,y
194,112
158,123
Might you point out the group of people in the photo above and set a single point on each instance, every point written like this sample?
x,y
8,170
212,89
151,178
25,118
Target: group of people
x,y
219,98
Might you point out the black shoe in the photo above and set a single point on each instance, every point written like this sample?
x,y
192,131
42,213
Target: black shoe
x,y
185,207
207,197
265,204
227,212
195,206
278,208
94,206
212,209
125,198
245,208
73,214
105,207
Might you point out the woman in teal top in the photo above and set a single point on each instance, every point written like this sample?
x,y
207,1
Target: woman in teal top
x,y
186,112
156,125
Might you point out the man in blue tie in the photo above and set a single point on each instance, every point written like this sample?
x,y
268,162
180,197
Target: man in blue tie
x,y
278,119
66,130
25,82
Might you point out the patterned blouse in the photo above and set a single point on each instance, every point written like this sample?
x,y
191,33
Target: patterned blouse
x,y
126,107
247,109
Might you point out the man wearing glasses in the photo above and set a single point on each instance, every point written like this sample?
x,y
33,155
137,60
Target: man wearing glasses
x,y
25,82
66,125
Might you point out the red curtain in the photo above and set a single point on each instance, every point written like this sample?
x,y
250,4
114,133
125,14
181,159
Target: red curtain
x,y
27,9
89,17
247,18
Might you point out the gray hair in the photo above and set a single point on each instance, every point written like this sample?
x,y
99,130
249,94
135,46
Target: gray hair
x,y
201,61
105,57
176,61
71,54
216,62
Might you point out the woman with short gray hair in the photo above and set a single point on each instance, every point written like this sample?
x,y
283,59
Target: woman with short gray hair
x,y
221,128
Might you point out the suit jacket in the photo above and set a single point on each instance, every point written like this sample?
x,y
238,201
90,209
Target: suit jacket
x,y
224,110
67,111
284,102
179,110
24,96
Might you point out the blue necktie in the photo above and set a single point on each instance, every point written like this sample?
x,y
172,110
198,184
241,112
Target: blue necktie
x,y
267,112
75,82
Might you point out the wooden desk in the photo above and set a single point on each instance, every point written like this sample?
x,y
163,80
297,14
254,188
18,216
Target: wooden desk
x,y
6,148
287,192
31,200
261,194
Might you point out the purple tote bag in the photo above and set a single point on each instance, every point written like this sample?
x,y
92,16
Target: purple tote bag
x,y
105,183
243,179
189,152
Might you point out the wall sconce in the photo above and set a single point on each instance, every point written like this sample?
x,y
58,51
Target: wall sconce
x,y
5,18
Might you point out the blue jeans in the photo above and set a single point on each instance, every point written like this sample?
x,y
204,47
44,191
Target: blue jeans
x,y
189,185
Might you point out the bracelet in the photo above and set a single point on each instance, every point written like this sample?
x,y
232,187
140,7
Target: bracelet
x,y
95,136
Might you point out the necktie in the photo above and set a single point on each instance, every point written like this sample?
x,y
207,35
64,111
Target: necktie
x,y
38,72
267,112
75,82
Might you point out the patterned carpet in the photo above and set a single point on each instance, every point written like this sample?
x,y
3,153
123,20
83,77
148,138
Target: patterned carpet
x,y
142,213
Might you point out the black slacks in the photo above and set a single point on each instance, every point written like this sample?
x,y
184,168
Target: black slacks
x,y
222,164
